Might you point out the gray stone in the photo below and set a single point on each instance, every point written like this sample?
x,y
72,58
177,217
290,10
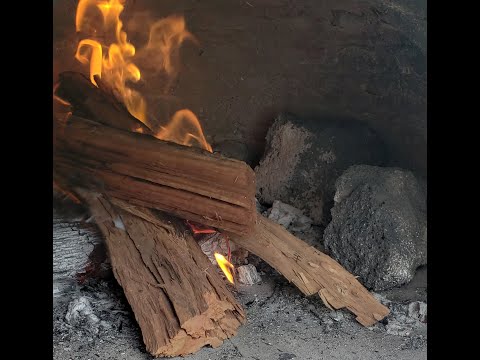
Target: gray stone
x,y
304,157
378,230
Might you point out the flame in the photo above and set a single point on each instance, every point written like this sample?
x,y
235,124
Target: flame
x,y
225,265
175,130
115,65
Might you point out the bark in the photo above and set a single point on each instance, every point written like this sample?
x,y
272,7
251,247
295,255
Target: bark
x,y
311,271
178,298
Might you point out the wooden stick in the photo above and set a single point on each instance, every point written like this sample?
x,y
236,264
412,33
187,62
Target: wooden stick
x,y
311,271
188,182
178,298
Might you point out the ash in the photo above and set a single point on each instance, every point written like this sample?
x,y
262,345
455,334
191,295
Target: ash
x,y
96,322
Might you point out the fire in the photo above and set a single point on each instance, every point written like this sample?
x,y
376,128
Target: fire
x,y
225,265
115,64
175,131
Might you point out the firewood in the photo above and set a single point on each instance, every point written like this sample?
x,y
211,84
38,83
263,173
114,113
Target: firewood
x,y
187,182
311,271
178,298
96,103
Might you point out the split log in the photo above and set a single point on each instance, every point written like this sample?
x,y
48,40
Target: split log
x,y
96,103
311,271
187,182
178,298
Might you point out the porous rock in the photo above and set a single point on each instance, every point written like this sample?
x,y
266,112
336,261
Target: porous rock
x,y
378,230
304,157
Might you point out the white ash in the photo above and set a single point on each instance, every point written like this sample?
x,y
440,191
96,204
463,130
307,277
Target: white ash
x,y
382,299
81,314
296,223
289,217
248,275
418,310
73,243
404,319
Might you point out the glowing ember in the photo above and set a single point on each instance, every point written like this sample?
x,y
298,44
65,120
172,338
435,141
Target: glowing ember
x,y
114,63
225,265
199,229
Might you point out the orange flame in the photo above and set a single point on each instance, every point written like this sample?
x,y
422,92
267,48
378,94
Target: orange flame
x,y
114,63
175,131
225,265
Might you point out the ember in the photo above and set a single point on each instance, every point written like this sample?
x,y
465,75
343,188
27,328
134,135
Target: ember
x,y
224,264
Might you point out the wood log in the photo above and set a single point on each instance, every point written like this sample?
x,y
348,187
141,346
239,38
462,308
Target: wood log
x,y
178,298
311,271
96,103
187,182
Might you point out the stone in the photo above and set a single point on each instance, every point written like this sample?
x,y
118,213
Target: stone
x,y
304,157
378,230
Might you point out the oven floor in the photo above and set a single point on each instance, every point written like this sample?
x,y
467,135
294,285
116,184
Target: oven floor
x,y
281,324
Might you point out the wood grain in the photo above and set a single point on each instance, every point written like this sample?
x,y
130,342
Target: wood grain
x,y
178,298
311,271
190,183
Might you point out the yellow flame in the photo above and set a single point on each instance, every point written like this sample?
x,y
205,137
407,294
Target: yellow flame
x,y
95,59
114,64
177,130
225,265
